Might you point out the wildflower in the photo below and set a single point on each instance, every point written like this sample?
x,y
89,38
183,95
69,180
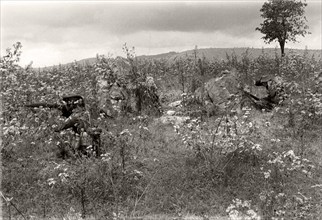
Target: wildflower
x,y
262,197
257,147
106,157
51,181
138,172
234,214
63,177
290,153
246,204
252,214
280,195
24,127
230,207
267,174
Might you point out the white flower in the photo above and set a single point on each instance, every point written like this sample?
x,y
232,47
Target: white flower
x,y
267,174
230,207
234,214
246,203
24,127
51,181
262,197
252,214
280,195
138,172
106,157
257,147
63,177
290,153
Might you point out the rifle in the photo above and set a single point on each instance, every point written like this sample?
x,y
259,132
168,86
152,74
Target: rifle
x,y
66,107
43,104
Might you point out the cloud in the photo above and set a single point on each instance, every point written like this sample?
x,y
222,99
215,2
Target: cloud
x,y
124,18
65,31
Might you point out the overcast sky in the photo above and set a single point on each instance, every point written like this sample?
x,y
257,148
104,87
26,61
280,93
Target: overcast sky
x,y
64,31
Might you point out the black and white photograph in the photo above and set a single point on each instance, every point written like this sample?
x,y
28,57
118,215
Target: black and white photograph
x,y
161,110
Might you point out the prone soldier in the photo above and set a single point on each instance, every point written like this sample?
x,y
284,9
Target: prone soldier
x,y
275,89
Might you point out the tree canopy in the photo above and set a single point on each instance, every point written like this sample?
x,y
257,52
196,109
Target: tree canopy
x,y
283,21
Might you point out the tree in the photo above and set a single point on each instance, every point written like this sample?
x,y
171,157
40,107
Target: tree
x,y
283,21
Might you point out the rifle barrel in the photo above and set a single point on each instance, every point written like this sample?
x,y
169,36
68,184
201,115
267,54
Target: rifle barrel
x,y
42,104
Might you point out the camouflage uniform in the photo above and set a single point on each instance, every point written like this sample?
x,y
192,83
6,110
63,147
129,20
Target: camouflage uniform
x,y
275,89
87,138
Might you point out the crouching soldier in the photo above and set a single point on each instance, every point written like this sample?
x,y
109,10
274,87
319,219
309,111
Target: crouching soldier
x,y
87,138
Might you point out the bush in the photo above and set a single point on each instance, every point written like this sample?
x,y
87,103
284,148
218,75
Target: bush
x,y
239,165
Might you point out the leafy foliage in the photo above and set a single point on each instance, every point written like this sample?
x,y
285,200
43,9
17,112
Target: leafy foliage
x,y
284,20
246,164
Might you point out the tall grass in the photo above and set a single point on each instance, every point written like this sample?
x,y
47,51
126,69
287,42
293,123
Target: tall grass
x,y
253,164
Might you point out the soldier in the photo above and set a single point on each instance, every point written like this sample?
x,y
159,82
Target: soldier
x,y
275,89
88,138
69,103
73,108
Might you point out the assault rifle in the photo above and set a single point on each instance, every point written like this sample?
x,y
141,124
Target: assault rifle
x,y
66,107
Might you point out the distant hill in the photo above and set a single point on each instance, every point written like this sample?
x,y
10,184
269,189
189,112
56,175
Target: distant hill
x,y
221,53
211,54
158,56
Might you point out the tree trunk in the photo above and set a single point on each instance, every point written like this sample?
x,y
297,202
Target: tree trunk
x,y
282,45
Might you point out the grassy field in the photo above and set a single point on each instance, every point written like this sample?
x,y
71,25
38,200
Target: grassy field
x,y
251,164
